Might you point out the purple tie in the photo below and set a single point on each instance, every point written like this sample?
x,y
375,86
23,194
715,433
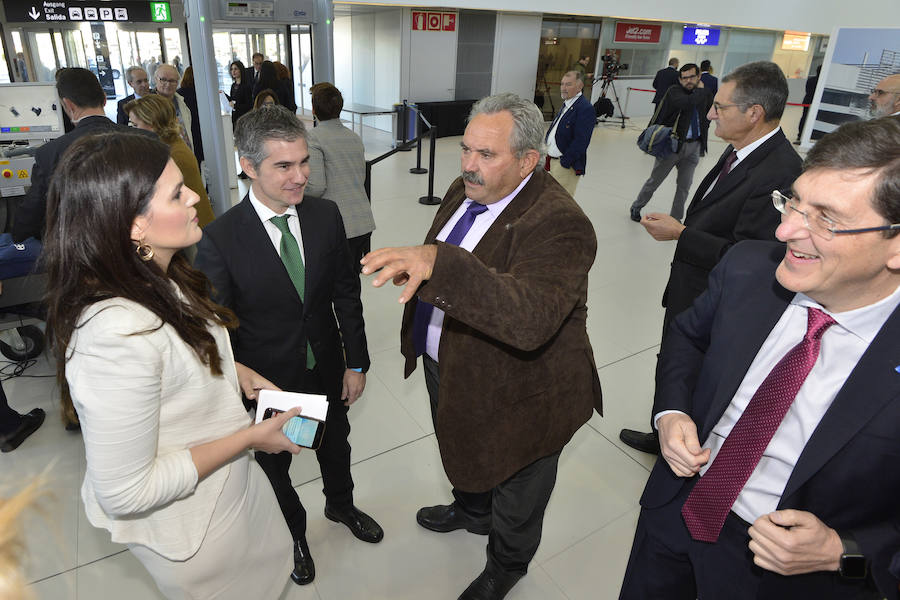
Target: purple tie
x,y
726,167
424,309
709,502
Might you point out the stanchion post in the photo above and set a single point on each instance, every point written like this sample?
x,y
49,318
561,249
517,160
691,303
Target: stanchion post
x,y
418,170
431,199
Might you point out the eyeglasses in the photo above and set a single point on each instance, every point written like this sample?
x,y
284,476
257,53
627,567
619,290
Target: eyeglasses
x,y
164,80
878,93
820,225
719,107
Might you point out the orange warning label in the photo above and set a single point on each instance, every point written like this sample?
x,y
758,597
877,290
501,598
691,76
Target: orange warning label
x,y
22,174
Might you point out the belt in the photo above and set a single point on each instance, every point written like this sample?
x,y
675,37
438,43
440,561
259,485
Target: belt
x,y
691,140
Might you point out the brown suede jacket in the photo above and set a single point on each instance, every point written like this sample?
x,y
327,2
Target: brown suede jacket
x,y
517,373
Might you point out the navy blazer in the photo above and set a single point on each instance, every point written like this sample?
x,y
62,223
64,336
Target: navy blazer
x,y
573,134
664,79
847,474
710,82
248,277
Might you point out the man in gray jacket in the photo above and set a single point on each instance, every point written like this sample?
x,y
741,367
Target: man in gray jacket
x,y
338,169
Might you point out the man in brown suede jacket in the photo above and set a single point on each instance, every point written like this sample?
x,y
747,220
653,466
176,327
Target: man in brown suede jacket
x,y
496,307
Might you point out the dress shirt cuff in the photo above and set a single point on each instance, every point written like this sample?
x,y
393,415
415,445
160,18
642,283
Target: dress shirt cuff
x,y
657,416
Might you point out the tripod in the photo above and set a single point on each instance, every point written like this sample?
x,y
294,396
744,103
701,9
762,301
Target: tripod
x,y
609,84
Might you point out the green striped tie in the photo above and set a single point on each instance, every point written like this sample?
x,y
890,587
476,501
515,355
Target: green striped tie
x,y
293,262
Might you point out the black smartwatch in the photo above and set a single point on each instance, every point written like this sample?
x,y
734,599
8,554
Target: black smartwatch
x,y
853,562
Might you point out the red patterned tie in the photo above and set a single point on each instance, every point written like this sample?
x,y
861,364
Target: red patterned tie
x,y
709,502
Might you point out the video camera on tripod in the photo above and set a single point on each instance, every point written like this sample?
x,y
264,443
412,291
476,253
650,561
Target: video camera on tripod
x,y
612,66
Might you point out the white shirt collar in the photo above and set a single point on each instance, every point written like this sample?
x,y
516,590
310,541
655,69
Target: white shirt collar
x,y
264,212
746,150
864,322
495,208
568,103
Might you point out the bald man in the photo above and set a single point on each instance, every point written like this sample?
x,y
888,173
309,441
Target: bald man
x,y
885,98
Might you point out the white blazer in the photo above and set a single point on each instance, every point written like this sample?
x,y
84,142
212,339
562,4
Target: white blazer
x,y
144,398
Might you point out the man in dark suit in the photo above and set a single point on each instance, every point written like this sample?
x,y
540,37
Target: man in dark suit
x,y
682,108
281,263
140,83
503,293
733,202
778,401
83,99
811,84
570,133
664,79
710,81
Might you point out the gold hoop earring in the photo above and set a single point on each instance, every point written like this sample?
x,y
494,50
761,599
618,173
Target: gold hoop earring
x,y
144,251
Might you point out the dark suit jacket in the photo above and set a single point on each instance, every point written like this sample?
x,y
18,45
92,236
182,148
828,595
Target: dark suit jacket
x,y
248,277
847,474
31,212
573,134
738,208
516,367
664,79
121,117
190,99
678,106
710,82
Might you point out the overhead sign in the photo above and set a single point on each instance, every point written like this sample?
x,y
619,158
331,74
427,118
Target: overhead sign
x,y
637,32
433,21
48,11
700,36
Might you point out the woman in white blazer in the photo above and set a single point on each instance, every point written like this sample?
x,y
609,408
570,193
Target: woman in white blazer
x,y
144,357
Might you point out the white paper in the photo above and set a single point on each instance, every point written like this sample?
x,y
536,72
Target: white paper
x,y
313,406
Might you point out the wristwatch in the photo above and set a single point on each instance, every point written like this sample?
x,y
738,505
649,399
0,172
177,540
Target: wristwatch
x,y
853,562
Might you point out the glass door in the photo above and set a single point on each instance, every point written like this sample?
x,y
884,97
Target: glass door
x,y
301,50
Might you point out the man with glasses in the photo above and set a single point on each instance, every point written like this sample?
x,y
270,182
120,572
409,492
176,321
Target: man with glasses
x,y
732,203
166,84
681,108
140,83
885,98
778,400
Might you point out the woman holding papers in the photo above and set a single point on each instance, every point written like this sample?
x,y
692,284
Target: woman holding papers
x,y
144,357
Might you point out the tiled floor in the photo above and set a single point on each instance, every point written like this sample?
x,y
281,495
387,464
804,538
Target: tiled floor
x,y
397,469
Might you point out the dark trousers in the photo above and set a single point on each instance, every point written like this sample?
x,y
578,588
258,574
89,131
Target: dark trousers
x,y
359,247
667,564
516,506
334,462
9,419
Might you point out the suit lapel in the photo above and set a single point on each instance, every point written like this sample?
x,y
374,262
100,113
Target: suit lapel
x,y
252,236
313,244
708,181
758,317
872,384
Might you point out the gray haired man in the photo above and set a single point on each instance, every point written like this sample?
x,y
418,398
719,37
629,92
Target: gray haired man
x,y
500,288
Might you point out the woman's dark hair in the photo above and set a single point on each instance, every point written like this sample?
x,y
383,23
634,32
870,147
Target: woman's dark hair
x,y
187,80
240,66
104,182
268,76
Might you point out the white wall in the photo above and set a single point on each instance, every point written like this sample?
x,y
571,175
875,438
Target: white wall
x,y
516,44
428,63
801,15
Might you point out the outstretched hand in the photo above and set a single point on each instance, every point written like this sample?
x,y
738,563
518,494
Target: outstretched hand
x,y
408,266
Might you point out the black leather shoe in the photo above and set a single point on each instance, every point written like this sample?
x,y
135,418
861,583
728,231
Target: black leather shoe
x,y
636,215
360,524
30,423
491,584
450,517
304,568
645,442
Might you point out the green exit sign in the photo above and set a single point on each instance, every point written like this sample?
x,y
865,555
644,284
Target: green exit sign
x,y
160,13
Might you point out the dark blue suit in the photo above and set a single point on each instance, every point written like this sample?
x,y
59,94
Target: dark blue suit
x,y
846,474
710,82
573,134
